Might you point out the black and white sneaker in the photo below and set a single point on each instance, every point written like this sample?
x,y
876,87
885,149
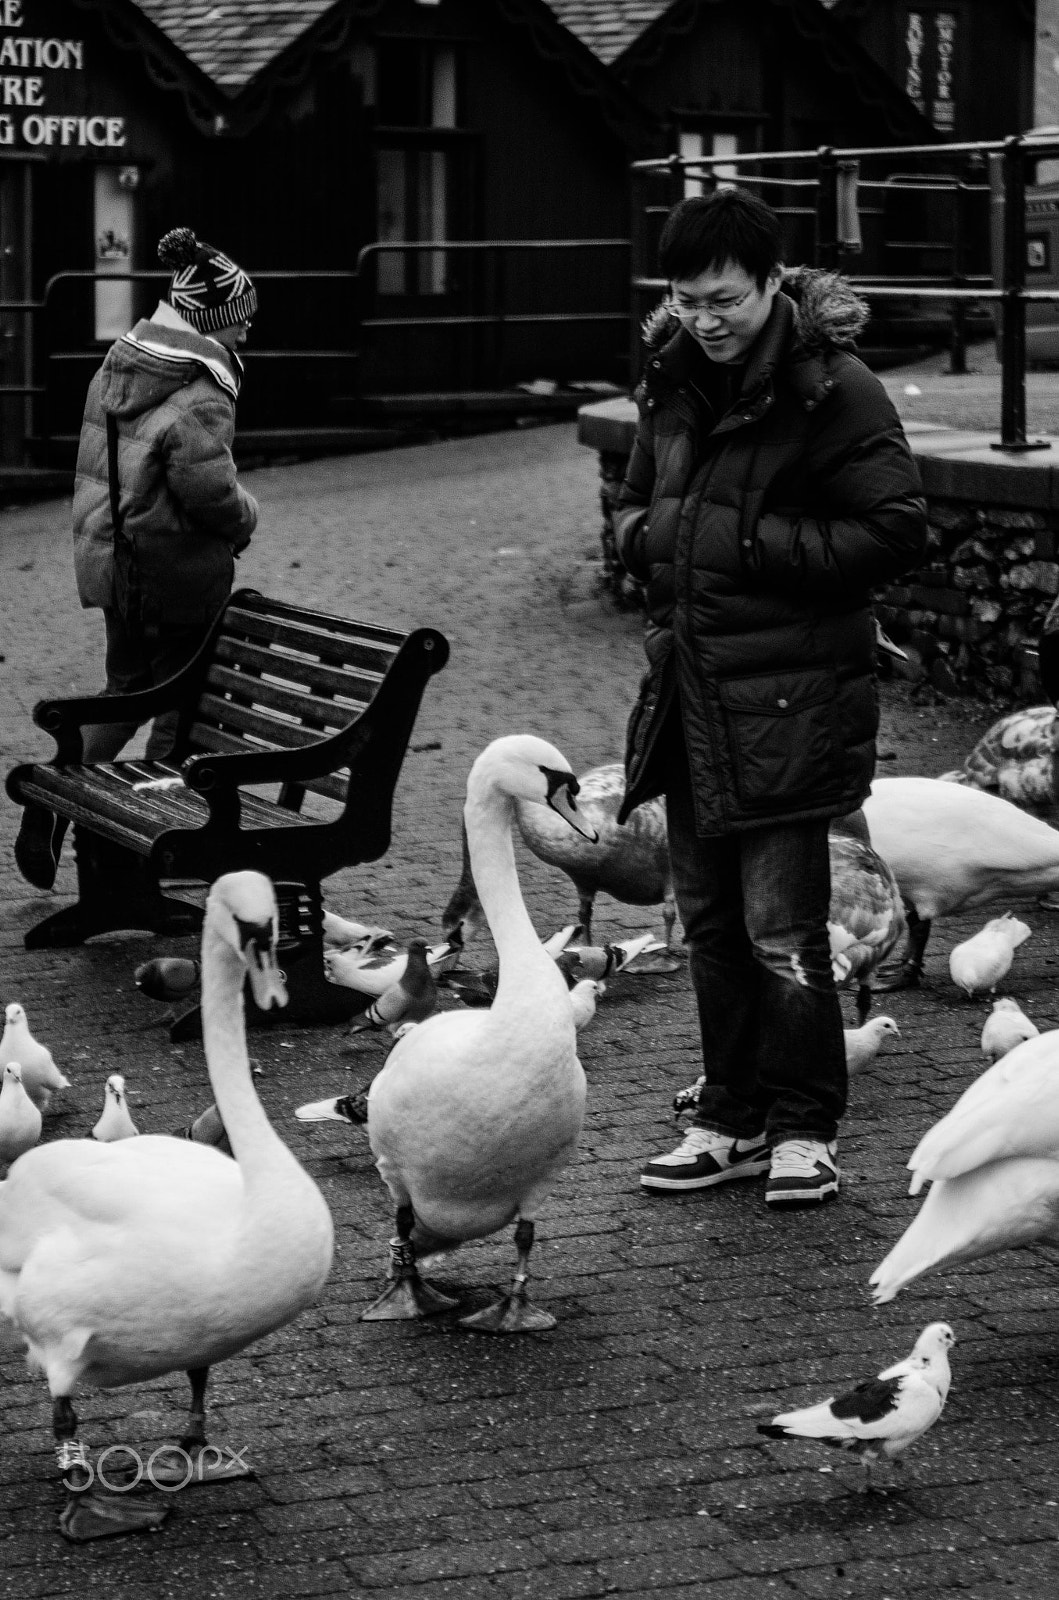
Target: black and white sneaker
x,y
803,1172
704,1158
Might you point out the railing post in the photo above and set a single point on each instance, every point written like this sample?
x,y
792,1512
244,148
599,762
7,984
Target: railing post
x,y
961,235
1013,332
826,207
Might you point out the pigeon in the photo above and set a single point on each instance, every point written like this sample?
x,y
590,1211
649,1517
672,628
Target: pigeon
x,y
883,1415
346,1108
865,1042
688,1099
115,1121
479,988
20,1122
167,977
603,961
372,972
980,962
342,934
207,1128
1006,1026
41,1078
583,998
413,997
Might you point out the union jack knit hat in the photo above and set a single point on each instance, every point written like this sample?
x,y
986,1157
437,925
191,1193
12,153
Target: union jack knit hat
x,y
207,288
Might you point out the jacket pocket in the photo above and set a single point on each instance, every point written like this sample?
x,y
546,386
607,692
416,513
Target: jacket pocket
x,y
783,737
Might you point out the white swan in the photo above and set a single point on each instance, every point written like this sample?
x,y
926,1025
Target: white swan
x,y
1012,1109
953,849
119,1262
993,1207
475,1112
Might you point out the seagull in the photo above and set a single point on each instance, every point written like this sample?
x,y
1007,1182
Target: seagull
x,y
41,1078
981,961
865,1042
413,998
20,1122
116,1120
1006,1026
883,1415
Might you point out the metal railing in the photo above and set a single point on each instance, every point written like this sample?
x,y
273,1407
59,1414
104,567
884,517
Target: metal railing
x,y
360,315
837,181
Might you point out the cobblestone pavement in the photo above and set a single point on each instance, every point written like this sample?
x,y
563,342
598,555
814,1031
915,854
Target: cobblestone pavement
x,y
618,1453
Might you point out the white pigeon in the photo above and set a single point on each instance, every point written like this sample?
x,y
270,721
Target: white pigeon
x,y
980,962
1006,1026
41,1078
882,1416
583,997
1012,1109
865,1042
19,1118
115,1121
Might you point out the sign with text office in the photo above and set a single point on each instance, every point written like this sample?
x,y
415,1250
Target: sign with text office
x,y
48,98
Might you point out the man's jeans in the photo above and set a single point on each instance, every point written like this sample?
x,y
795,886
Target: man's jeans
x,y
754,907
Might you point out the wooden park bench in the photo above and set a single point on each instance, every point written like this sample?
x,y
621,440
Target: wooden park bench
x,y
278,696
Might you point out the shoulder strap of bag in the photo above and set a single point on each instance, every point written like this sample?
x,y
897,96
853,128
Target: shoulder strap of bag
x,y
112,473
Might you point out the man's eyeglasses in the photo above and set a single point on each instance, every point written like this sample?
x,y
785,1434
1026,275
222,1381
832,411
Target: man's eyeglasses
x,y
688,310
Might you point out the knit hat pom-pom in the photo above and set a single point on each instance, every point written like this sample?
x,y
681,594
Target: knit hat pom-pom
x,y
178,248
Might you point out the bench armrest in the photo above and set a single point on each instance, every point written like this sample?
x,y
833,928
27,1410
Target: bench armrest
x,y
64,719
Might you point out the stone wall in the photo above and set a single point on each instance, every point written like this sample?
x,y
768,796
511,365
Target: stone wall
x,y
970,618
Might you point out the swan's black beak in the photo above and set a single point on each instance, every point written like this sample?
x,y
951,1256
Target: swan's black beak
x,y
259,949
562,786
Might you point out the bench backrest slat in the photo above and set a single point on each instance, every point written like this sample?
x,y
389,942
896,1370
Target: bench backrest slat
x,y
246,688
282,678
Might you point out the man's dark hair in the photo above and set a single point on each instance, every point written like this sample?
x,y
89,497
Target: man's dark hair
x,y
703,233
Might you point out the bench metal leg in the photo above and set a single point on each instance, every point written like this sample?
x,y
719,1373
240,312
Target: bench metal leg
x,y
116,890
310,998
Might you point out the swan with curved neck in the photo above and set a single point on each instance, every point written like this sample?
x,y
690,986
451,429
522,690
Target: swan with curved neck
x,y
123,1261
476,1112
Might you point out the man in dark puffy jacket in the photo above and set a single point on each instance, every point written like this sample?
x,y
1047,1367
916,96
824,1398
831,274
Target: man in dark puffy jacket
x,y
769,488
156,446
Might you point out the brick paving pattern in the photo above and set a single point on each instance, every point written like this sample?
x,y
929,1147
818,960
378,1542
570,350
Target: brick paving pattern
x,y
617,1454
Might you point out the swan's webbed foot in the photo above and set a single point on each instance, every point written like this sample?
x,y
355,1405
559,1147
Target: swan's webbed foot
x,y
104,1516
89,1514
406,1296
514,1313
